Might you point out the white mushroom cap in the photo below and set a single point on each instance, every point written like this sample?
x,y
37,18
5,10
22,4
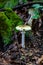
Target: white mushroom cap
x,y
23,27
31,11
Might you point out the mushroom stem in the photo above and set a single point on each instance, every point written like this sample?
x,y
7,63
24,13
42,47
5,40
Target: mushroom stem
x,y
23,39
30,21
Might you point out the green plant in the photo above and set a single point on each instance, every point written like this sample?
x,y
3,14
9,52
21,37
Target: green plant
x,y
2,3
16,20
5,27
11,4
8,22
24,1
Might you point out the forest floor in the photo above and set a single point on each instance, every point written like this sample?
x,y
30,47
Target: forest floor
x,y
16,55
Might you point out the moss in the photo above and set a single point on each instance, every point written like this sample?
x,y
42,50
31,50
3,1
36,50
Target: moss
x,y
8,22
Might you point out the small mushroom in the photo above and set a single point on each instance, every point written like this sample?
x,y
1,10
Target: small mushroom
x,y
23,28
34,15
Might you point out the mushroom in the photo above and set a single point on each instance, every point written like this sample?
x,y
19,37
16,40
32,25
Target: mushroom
x,y
23,28
34,15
